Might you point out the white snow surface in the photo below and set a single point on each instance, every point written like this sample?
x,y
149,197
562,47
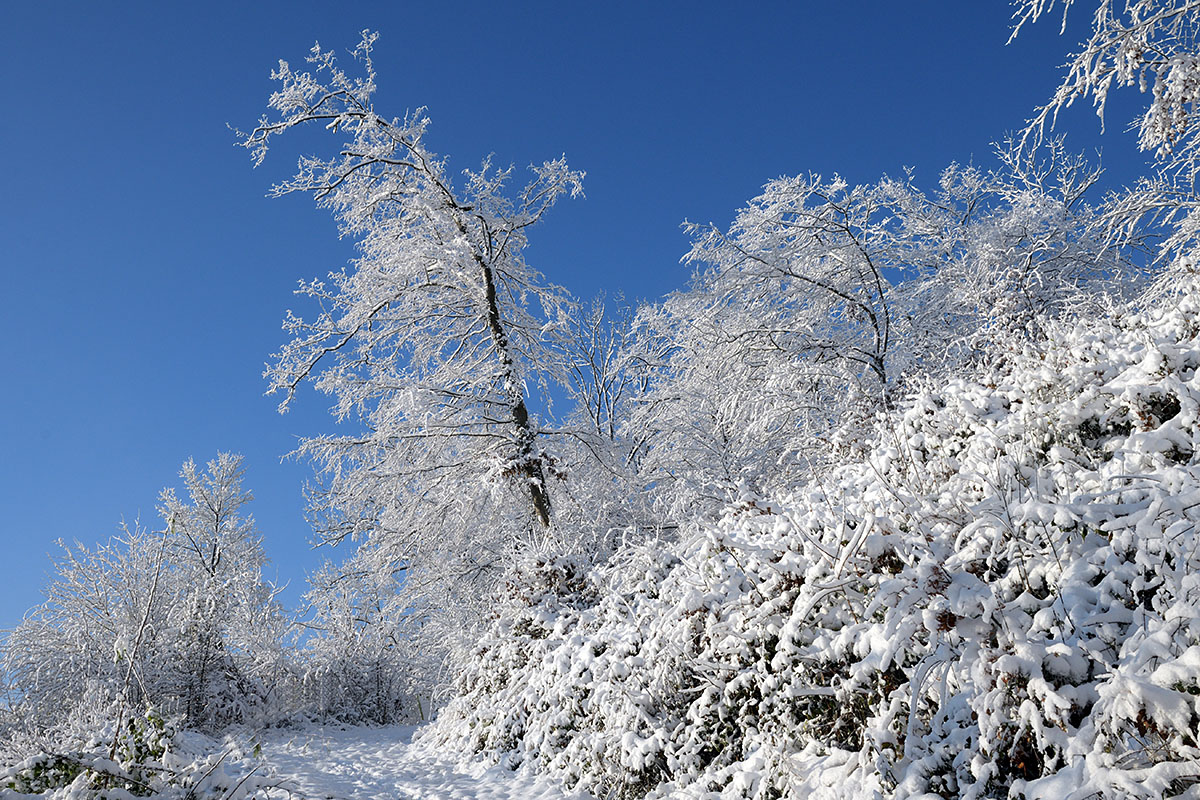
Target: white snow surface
x,y
352,763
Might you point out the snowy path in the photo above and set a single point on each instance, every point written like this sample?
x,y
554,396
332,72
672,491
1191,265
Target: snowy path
x,y
369,763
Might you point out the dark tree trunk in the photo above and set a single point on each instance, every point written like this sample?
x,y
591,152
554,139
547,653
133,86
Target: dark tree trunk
x,y
528,462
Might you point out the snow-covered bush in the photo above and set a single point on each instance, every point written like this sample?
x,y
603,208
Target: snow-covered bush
x,y
149,756
92,750
1000,600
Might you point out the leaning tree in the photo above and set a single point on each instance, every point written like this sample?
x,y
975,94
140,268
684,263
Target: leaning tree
x,y
433,338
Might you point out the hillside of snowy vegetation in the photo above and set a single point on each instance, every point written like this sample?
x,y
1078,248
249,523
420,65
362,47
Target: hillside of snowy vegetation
x,y
1002,598
897,498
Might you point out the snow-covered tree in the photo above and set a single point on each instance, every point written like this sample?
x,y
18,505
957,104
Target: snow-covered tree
x,y
822,302
363,662
433,339
1150,44
179,619
229,625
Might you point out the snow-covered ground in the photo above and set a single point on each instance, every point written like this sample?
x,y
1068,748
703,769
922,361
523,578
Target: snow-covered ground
x,y
363,763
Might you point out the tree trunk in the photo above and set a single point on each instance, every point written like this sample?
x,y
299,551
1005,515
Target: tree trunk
x,y
528,462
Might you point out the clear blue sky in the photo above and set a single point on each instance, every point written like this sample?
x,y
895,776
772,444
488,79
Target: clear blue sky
x,y
145,275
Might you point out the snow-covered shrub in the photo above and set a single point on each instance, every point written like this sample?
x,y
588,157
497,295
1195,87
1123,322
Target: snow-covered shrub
x,y
147,756
1001,600
99,754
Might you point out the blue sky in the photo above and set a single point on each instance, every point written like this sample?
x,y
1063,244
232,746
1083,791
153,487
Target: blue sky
x,y
145,274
